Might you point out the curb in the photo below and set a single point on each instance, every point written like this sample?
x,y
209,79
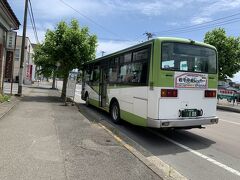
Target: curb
x,y
9,109
160,168
226,108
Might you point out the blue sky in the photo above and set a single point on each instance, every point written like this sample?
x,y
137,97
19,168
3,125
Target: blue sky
x,y
120,23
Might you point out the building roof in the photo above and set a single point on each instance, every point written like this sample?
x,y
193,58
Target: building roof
x,y
11,13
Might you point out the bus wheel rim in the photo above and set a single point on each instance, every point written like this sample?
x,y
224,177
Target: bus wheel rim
x,y
115,112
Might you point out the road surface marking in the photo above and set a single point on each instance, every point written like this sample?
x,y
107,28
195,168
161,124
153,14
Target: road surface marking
x,y
230,122
199,154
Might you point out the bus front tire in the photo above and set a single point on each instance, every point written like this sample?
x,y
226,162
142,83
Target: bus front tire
x,y
87,100
115,112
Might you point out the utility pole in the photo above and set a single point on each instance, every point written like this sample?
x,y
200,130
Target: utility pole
x,y
20,83
149,35
103,52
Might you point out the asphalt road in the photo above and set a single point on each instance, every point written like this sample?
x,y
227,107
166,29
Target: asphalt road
x,y
210,153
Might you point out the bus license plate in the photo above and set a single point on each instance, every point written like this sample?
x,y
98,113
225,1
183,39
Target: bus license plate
x,y
189,113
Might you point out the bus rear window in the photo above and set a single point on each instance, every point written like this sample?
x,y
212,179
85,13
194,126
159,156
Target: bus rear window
x,y
188,57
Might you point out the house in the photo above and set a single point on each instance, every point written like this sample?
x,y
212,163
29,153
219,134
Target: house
x,y
8,23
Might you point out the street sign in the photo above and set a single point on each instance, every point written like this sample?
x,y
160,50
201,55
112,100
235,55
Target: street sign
x,y
71,85
11,40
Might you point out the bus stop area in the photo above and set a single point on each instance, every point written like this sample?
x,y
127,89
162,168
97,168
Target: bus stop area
x,y
227,106
228,99
41,138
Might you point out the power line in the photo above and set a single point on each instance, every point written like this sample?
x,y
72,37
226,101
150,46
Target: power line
x,y
32,24
33,21
88,18
209,24
206,26
197,25
114,39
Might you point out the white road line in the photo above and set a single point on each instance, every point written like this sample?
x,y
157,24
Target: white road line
x,y
230,122
199,154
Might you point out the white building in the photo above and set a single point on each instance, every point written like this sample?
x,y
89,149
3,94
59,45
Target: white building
x,y
28,65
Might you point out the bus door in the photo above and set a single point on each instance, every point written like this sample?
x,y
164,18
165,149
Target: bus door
x,y
103,87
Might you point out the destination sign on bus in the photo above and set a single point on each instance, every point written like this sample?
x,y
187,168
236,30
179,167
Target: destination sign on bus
x,y
190,80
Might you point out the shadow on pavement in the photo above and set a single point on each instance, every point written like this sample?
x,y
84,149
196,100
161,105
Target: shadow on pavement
x,y
156,142
40,87
45,99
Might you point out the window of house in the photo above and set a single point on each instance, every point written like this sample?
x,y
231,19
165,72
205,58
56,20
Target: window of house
x,y
17,54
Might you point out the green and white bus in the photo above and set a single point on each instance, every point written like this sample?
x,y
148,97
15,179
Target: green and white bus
x,y
162,83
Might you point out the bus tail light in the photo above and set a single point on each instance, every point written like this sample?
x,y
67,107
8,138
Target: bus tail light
x,y
169,93
210,93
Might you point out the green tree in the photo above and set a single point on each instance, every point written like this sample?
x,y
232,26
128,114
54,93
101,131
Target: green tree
x,y
228,52
69,46
43,62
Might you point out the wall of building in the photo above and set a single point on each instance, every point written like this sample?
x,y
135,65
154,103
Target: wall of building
x,y
28,61
2,53
8,22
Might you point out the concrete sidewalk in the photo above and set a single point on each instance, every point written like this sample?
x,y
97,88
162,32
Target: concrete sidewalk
x,y
40,138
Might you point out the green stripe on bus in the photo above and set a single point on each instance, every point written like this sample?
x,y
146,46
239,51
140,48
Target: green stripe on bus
x,y
133,119
212,81
94,102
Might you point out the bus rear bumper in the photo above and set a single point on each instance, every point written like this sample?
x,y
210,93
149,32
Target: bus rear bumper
x,y
183,122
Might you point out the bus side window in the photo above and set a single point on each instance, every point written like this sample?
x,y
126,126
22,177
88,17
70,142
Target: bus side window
x,y
140,65
144,73
139,72
113,70
95,74
87,75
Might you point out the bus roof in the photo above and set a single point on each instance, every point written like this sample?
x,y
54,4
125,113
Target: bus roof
x,y
183,40
161,39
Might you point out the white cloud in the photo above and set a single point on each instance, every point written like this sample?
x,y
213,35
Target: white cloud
x,y
112,46
55,8
30,34
199,20
214,8
173,24
145,7
219,6
236,77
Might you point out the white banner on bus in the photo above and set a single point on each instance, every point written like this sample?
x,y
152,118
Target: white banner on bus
x,y
190,80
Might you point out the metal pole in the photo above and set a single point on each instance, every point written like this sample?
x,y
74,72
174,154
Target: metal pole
x,y
12,73
103,52
22,50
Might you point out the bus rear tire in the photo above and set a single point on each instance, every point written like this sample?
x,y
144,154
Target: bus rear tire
x,y
115,112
